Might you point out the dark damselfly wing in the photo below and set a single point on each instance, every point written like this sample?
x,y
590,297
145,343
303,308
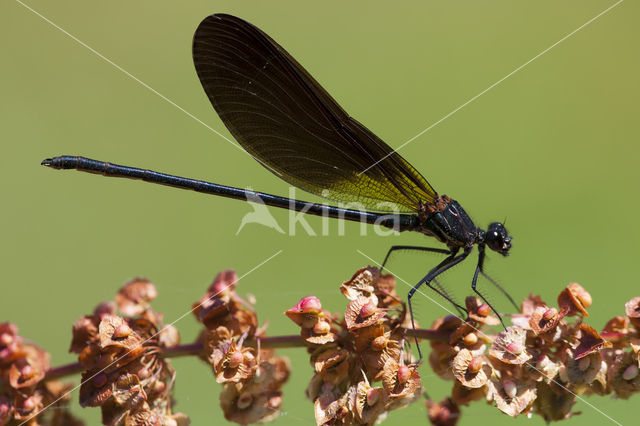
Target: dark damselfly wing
x,y
286,120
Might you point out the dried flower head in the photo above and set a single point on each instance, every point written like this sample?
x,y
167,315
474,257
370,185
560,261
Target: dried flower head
x,y
443,413
584,370
400,381
511,397
471,371
575,299
361,313
624,375
136,296
554,402
544,319
509,346
369,403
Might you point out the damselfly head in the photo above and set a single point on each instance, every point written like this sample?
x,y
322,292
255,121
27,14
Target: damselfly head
x,y
498,239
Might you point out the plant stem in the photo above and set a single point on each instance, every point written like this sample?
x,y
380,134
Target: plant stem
x,y
273,342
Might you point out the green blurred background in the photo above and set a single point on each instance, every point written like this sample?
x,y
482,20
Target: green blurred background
x,y
554,149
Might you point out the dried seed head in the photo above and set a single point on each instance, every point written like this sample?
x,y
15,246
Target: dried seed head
x,y
444,413
362,313
6,339
121,331
470,339
235,359
321,327
484,310
404,373
515,348
470,370
475,365
27,372
584,363
367,310
631,372
549,314
379,343
244,400
509,346
373,396
583,295
510,388
30,403
575,298
99,380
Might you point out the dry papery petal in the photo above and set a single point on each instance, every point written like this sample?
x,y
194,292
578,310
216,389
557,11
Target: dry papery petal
x,y
25,406
369,403
616,330
527,308
544,319
589,342
244,407
544,369
169,336
309,335
136,296
361,285
624,375
331,408
443,413
575,298
361,313
512,397
375,358
115,331
480,312
30,368
333,365
553,402
440,362
583,371
529,304
84,331
96,389
509,346
128,391
209,310
471,371
632,309
450,323
462,395
385,286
